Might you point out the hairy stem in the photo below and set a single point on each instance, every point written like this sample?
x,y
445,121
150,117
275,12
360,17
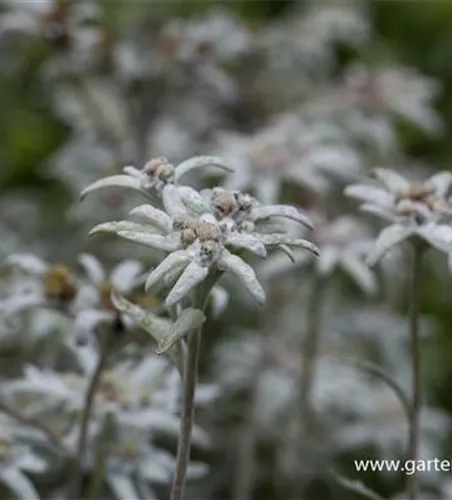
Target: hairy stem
x,y
188,414
310,351
189,389
413,444
76,476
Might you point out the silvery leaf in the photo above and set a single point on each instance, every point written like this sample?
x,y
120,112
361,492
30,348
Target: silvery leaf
x,y
125,275
244,272
327,261
139,233
370,194
287,211
27,262
219,299
151,215
288,252
193,200
359,273
18,483
192,275
200,162
282,239
144,489
154,471
248,242
122,486
380,211
197,470
190,319
388,238
172,261
125,181
93,268
441,182
392,180
438,235
28,461
173,203
158,328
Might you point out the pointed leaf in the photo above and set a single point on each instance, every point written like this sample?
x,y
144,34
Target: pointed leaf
x,y
173,203
287,211
196,204
192,276
158,328
18,483
441,182
93,268
288,251
438,235
370,194
200,162
328,259
122,486
151,215
386,213
282,239
391,180
245,273
174,260
139,233
359,273
27,262
115,181
388,238
190,319
248,242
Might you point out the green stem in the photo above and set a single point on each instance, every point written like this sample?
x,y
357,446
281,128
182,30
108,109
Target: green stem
x,y
413,444
76,477
188,414
189,388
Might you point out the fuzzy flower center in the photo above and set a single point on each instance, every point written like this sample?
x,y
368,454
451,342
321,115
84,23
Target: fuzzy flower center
x,y
59,284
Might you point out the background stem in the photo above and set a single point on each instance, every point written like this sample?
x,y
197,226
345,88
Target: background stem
x,y
310,350
413,445
76,477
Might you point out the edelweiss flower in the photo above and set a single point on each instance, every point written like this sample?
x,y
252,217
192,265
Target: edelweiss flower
x,y
200,245
421,210
158,173
40,284
94,303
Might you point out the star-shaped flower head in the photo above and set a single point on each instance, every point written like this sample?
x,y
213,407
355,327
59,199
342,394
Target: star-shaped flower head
x,y
156,175
414,209
94,304
204,234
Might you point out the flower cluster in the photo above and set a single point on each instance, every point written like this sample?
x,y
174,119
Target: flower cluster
x,y
421,210
202,232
